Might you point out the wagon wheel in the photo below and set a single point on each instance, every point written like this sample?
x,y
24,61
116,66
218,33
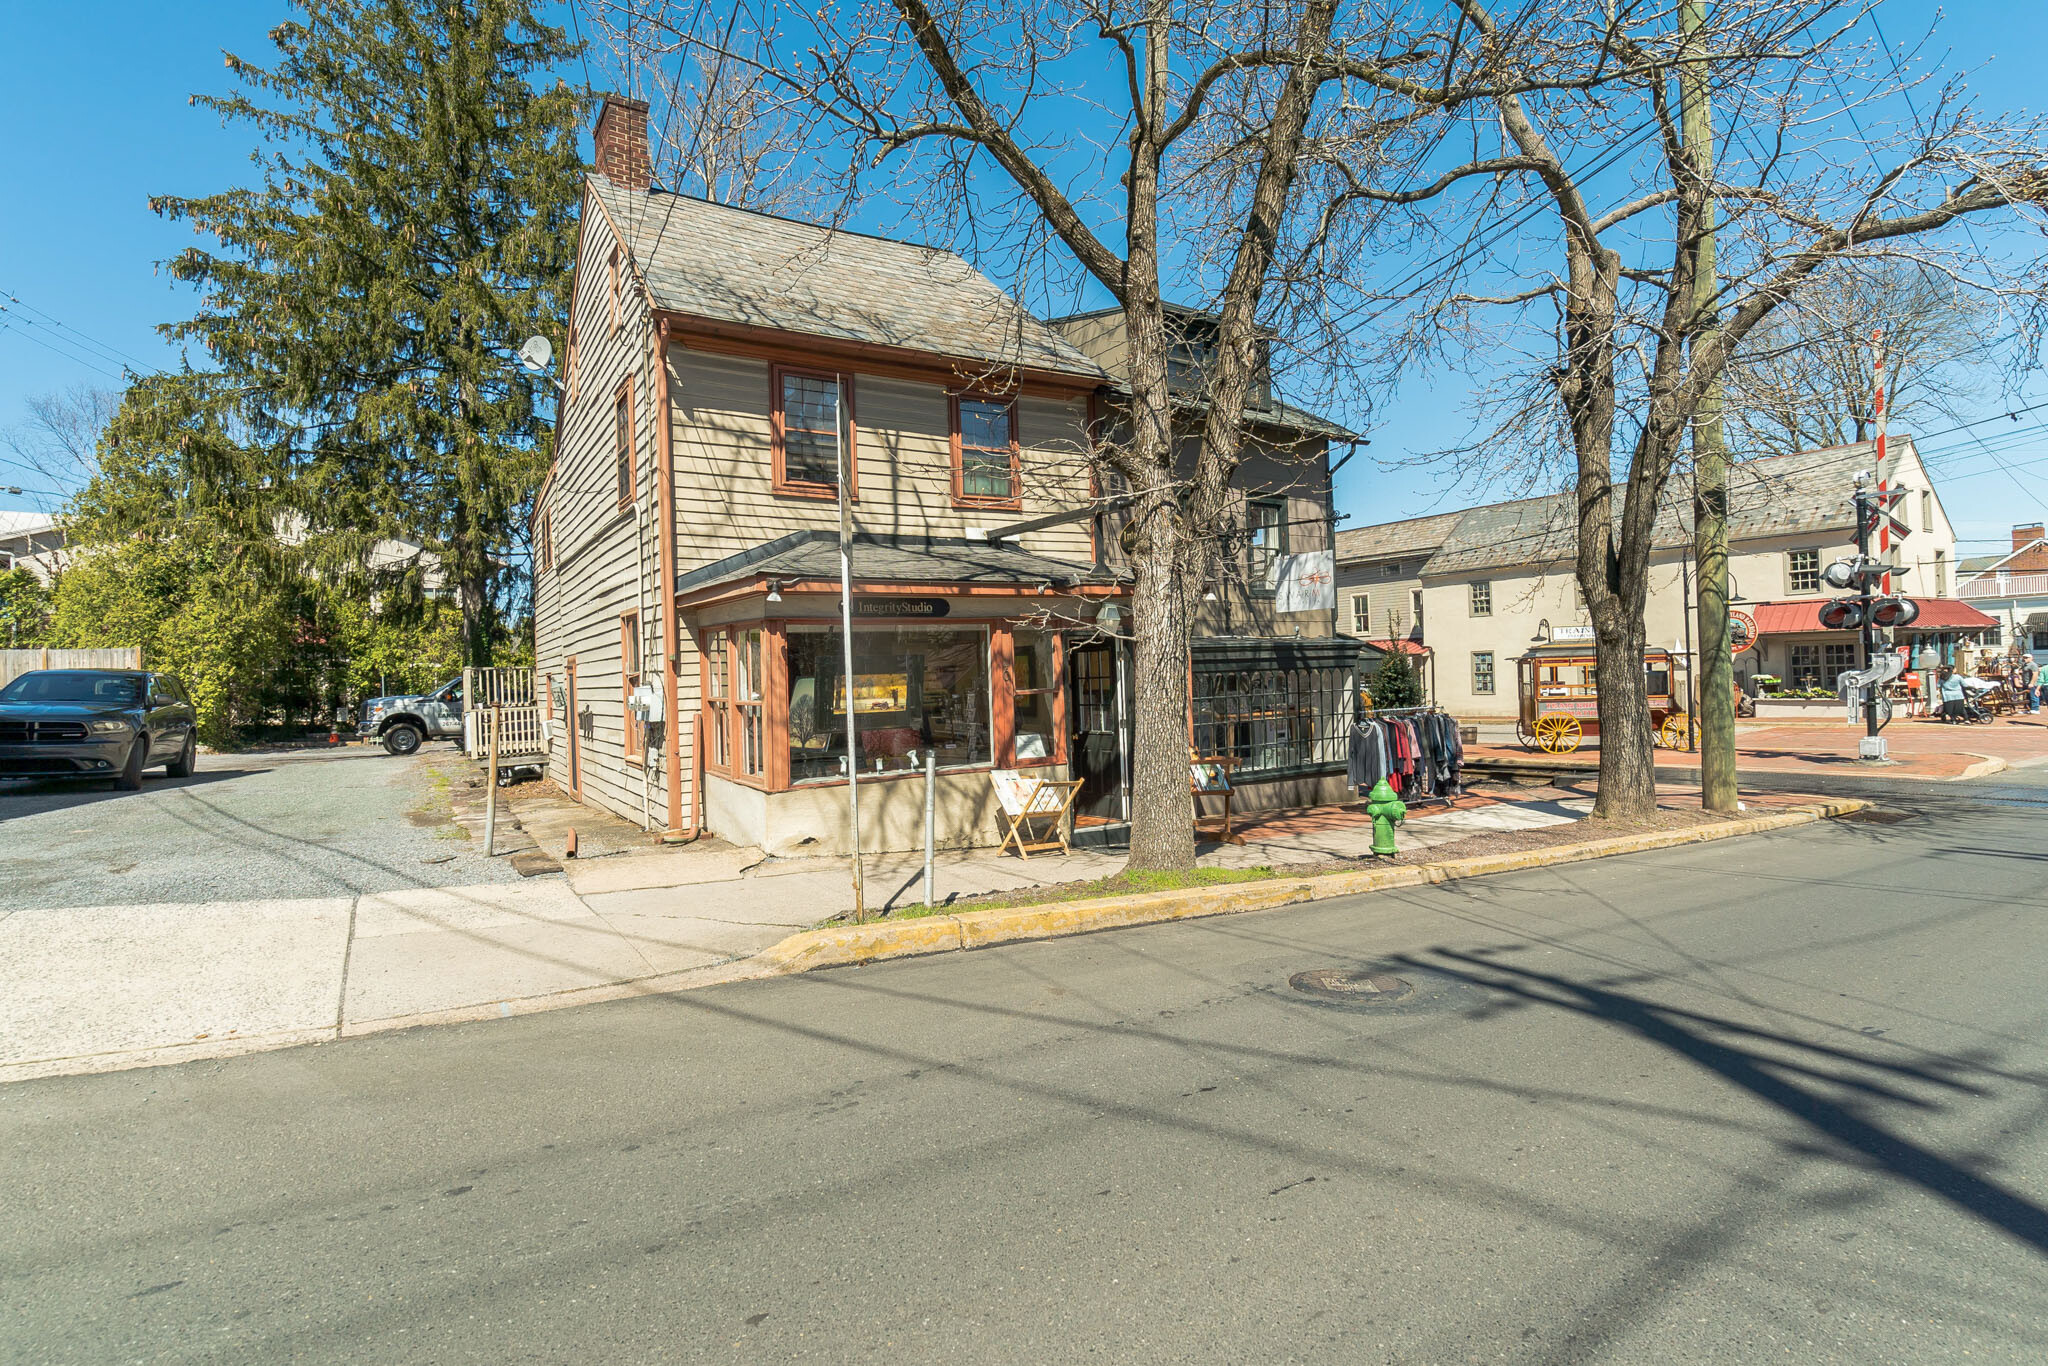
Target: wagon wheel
x,y
1526,733
1558,733
1679,731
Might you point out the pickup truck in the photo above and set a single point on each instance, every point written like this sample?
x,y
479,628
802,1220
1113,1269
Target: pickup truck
x,y
404,723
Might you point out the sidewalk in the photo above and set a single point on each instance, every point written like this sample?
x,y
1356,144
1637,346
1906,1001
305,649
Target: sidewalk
x,y
102,987
1921,748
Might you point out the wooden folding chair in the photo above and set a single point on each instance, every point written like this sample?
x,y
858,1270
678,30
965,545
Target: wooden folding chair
x,y
1213,783
1022,800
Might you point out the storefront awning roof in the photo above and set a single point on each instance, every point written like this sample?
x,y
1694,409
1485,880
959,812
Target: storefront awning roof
x,y
814,555
1801,616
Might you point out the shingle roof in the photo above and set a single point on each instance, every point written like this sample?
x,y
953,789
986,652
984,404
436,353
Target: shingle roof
x,y
1390,540
895,559
1782,495
737,266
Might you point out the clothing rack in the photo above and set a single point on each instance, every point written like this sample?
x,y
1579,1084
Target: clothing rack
x,y
1362,715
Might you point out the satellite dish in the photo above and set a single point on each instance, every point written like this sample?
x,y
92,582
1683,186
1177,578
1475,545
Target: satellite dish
x,y
535,353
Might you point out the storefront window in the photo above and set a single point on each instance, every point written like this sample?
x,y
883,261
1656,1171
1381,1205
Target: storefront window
x,y
915,689
1273,720
716,680
746,697
1035,684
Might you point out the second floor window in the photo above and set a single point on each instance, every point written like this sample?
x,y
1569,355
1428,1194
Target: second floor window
x,y
622,442
808,425
1361,615
1265,523
1482,598
1415,602
985,457
1802,571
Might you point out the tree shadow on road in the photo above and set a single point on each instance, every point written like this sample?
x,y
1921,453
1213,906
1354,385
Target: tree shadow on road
x,y
1787,1079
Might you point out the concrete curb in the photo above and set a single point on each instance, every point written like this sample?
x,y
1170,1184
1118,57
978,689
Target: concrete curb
x,y
842,945
846,945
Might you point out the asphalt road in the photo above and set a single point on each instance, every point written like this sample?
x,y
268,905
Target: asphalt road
x,y
282,823
1774,1099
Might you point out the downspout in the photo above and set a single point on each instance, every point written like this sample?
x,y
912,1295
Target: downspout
x,y
665,564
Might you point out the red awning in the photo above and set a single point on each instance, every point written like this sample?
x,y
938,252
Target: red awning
x,y
1798,616
1406,647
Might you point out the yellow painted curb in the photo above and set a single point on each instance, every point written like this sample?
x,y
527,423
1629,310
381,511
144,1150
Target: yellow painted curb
x,y
840,945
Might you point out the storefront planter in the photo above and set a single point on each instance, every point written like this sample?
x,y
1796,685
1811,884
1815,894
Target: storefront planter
x,y
1798,708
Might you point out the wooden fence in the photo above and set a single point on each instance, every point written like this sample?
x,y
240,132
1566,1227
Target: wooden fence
x,y
508,695
497,688
14,663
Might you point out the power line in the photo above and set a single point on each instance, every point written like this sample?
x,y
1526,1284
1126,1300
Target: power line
x,y
73,357
107,352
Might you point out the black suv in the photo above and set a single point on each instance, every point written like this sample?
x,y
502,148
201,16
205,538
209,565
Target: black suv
x,y
95,723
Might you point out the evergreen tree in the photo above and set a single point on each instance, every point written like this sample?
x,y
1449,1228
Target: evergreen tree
x,y
1394,683
414,221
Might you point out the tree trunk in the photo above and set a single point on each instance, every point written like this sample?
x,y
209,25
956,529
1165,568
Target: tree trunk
x,y
1162,810
1628,772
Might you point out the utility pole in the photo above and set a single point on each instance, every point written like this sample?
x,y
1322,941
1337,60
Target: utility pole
x,y
843,447
1709,452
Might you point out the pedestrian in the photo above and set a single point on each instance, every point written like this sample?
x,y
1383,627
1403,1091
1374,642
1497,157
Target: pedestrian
x,y
2029,672
1951,691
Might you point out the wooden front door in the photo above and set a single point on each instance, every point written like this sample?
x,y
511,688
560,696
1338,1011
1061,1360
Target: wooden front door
x,y
1095,717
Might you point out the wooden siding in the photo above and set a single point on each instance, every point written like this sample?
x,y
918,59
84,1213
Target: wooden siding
x,y
724,471
604,554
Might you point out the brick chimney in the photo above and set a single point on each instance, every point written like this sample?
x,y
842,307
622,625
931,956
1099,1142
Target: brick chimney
x,y
2024,536
620,142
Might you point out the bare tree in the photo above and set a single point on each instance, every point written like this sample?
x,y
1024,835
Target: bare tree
x,y
58,446
718,130
1576,222
1148,152
1804,377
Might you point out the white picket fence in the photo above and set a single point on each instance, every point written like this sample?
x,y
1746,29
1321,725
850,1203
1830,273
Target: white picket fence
x,y
505,696
14,663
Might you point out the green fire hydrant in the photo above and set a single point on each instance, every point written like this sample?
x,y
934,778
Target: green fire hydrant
x,y
1385,809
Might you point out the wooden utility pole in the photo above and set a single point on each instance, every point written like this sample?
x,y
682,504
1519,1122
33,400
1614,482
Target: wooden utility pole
x,y
1709,451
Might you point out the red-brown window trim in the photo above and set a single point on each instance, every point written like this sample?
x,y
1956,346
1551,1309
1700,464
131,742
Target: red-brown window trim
x,y
800,489
961,499
629,467
633,733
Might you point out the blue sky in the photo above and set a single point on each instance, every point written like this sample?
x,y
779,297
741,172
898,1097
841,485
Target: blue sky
x,y
98,121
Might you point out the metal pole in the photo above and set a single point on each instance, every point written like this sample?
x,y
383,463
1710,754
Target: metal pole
x,y
491,796
1710,456
846,639
1865,504
931,782
1692,663
1884,532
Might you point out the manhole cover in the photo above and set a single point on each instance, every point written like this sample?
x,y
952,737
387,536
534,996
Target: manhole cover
x,y
1876,815
1353,986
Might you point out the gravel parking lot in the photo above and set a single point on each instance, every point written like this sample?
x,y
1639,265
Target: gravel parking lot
x,y
279,823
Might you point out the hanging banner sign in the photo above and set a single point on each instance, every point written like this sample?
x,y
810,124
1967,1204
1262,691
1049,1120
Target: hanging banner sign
x,y
1741,632
902,607
1305,582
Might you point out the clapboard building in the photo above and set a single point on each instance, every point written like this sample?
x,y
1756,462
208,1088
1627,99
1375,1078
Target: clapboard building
x,y
722,367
